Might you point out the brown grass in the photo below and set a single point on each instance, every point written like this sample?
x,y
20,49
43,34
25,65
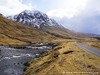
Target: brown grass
x,y
69,59
95,44
15,33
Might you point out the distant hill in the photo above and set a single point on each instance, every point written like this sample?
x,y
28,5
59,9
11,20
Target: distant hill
x,y
96,36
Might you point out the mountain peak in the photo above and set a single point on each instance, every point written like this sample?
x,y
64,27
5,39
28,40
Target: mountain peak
x,y
30,11
35,18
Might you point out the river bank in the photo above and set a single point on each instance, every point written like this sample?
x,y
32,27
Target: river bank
x,y
65,59
12,58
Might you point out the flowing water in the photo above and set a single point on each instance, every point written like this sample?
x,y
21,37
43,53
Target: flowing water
x,y
13,58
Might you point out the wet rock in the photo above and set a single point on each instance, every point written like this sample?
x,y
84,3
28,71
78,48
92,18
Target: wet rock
x,y
13,57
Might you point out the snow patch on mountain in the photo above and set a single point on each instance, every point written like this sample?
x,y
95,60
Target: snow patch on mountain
x,y
34,18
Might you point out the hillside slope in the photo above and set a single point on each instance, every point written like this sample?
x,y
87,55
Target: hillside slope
x,y
16,33
41,21
65,59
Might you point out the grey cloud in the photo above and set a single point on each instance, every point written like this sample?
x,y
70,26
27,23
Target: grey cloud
x,y
87,20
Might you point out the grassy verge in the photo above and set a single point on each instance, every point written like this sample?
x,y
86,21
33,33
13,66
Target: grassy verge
x,y
65,59
95,44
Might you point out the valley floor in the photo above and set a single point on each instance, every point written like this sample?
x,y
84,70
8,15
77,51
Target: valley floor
x,y
65,59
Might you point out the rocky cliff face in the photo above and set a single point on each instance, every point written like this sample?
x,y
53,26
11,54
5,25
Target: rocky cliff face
x,y
35,18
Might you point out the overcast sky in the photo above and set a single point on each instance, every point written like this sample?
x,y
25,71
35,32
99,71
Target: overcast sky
x,y
78,15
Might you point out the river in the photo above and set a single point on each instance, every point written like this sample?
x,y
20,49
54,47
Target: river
x,y
12,58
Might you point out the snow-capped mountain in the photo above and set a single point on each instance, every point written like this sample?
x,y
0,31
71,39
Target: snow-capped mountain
x,y
34,18
41,21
